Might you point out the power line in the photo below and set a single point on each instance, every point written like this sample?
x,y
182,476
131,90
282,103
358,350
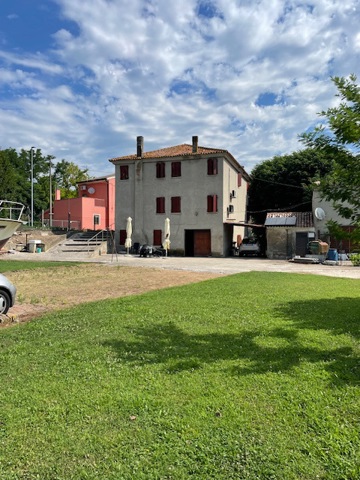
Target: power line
x,y
280,209
277,183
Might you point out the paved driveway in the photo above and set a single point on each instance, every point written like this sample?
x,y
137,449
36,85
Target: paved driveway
x,y
226,266
231,265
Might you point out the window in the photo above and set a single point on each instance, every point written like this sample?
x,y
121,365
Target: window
x,y
212,203
160,170
175,204
176,169
96,220
157,238
160,205
212,166
122,237
124,172
239,179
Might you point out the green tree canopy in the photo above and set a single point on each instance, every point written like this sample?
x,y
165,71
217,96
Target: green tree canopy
x,y
15,178
66,177
285,182
340,137
9,179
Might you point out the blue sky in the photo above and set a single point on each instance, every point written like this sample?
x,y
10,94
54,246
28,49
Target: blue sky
x,y
82,79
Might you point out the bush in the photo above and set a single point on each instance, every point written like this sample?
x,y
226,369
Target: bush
x,y
355,259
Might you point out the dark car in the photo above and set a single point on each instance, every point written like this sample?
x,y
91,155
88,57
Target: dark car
x,y
7,294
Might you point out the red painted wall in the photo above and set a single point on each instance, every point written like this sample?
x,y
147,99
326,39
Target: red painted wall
x,y
95,197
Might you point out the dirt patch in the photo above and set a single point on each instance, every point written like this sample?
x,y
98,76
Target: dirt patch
x,y
43,289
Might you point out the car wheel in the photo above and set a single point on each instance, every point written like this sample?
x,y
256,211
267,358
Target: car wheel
x,y
4,302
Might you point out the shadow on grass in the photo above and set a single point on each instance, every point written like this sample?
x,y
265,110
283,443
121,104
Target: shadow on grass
x,y
278,350
338,316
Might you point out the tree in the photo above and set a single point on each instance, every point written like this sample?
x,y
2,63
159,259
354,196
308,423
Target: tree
x,y
285,182
340,137
15,178
66,177
8,183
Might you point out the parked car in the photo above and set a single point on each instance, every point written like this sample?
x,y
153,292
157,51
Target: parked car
x,y
249,246
7,294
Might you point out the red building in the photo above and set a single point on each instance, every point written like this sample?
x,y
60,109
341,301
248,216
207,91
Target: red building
x,y
92,209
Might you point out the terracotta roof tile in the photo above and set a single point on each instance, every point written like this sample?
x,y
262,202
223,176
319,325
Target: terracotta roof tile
x,y
176,151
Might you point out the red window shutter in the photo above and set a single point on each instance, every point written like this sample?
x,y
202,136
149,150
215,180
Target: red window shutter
x,y
124,172
157,237
175,204
122,237
176,169
212,203
212,166
160,170
160,205
239,180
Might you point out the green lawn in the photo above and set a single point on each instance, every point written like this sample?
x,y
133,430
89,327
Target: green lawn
x,y
252,376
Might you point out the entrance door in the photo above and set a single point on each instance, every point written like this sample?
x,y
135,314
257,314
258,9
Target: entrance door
x,y
197,243
301,243
202,243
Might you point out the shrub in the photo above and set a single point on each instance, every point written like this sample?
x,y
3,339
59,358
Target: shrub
x,y
355,259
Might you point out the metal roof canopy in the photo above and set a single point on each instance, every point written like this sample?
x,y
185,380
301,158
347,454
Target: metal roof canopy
x,y
280,222
244,224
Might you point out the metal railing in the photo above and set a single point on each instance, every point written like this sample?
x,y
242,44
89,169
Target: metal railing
x,y
11,210
66,225
108,233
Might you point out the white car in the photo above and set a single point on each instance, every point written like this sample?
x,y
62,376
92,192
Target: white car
x,y
7,294
249,246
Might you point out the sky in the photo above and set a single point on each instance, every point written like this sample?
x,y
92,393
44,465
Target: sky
x,y
81,79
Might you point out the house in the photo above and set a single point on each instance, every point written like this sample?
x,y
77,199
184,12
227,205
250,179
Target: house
x,y
288,234
324,212
92,209
203,191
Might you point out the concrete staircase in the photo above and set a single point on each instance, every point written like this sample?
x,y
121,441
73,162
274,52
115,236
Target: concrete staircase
x,y
80,244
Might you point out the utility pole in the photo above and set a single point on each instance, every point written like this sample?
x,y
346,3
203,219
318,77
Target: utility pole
x,y
50,186
32,184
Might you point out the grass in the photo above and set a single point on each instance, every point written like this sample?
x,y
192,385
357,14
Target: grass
x,y
252,376
16,265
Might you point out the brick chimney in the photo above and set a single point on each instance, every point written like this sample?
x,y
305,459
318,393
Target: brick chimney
x,y
194,144
139,146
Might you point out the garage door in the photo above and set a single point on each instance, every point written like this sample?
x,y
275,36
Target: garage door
x,y
202,243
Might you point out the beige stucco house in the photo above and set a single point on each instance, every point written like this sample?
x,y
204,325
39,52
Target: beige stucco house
x,y
203,191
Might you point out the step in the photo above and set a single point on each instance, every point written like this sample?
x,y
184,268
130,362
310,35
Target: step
x,y
82,245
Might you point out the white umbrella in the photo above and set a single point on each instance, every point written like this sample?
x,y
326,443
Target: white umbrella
x,y
128,234
167,235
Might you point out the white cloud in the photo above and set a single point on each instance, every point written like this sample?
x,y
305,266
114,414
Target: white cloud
x,y
159,69
37,61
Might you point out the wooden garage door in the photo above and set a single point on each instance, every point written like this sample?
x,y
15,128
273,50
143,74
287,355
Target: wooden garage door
x,y
202,243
